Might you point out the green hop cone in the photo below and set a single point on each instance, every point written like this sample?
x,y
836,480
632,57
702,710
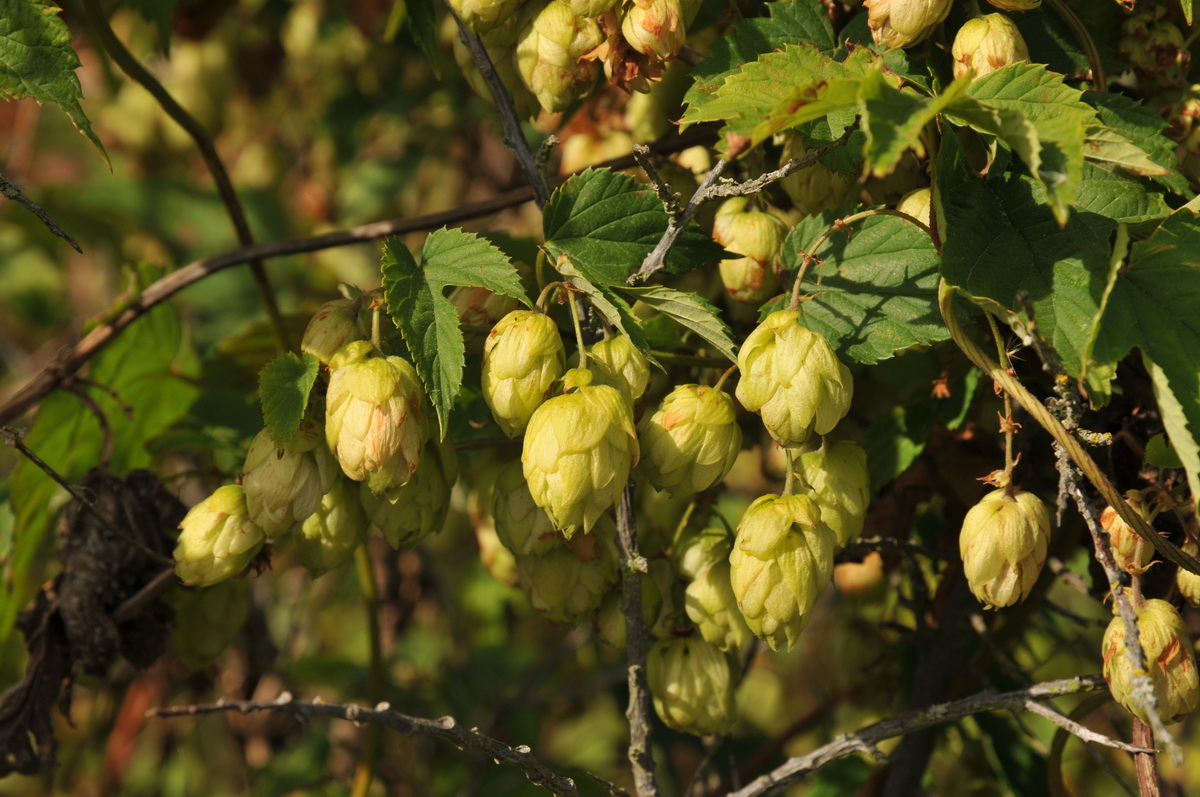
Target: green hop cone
x,y
590,8
916,204
654,27
522,359
497,559
570,582
781,560
284,485
578,451
483,15
757,237
217,538
1003,545
903,23
691,441
333,326
616,362
792,378
549,51
813,189
1131,553
207,621
1187,582
710,604
327,539
696,551
692,683
523,526
406,515
376,418
837,479
985,44
1170,660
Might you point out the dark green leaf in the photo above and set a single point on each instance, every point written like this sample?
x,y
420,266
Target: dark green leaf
x,y
454,257
1119,197
422,24
283,387
690,311
1144,127
894,119
1022,767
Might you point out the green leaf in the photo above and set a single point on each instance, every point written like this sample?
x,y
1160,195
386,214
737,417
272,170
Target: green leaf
x,y
690,311
1112,149
454,257
1188,9
1125,199
874,293
1139,124
614,309
606,225
283,387
894,119
422,24
1159,452
36,60
1002,239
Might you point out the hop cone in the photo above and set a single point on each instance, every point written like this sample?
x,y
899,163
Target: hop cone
x,y
217,538
405,515
1003,545
328,538
610,621
1187,582
816,188
333,326
522,359
712,606
692,683
522,525
757,237
691,441
792,378
549,51
207,621
903,23
1169,658
986,43
483,15
1125,541
654,27
616,362
781,560
570,581
697,551
375,417
284,486
497,560
837,480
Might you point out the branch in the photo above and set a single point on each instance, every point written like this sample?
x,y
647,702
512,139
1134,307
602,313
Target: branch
x,y
865,740
444,728
13,191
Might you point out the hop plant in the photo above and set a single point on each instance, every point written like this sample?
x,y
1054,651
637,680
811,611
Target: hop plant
x,y
578,451
327,539
696,551
903,23
692,683
1155,48
815,188
570,581
497,559
484,15
985,44
916,203
1170,660
375,416
1131,553
217,538
792,378
837,480
523,526
406,515
616,362
1003,545
522,359
549,51
757,237
654,27
782,558
284,485
691,441
710,604
333,326
590,8
1186,581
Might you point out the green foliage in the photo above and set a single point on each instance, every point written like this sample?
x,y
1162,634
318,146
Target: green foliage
x,y
690,311
283,386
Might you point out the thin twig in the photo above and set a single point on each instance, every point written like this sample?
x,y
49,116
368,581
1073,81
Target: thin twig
x,y
918,719
13,191
144,596
106,435
1075,729
760,183
444,728
869,544
669,198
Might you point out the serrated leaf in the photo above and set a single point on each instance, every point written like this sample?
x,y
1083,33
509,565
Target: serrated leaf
x,y
614,309
1121,198
36,60
894,119
1139,124
690,311
283,388
1106,146
454,257
605,223
1033,90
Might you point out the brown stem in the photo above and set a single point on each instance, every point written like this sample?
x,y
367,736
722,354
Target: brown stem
x,y
1145,763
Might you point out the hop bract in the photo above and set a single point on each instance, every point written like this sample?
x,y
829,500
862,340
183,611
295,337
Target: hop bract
x,y
813,189
1170,660
1131,552
523,526
781,560
570,581
903,23
792,378
522,359
654,27
590,8
333,326
375,418
616,362
712,606
691,441
549,51
1186,582
578,451
483,15
328,538
1003,545
217,538
692,683
757,237
284,485
838,481
985,44
408,514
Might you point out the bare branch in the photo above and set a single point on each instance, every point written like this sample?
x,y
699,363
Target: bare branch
x,y
669,198
1075,729
760,183
13,191
444,728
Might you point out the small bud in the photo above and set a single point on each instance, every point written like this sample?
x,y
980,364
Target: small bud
x,y
284,485
333,326
217,538
781,560
838,482
327,540
522,359
523,526
654,27
816,188
571,581
1131,552
692,683
691,441
1170,660
549,51
985,44
792,378
712,606
375,416
619,364
758,237
1003,546
903,23
406,515
916,204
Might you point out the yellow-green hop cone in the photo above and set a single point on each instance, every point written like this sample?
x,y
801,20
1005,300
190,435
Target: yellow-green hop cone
x,y
1170,660
692,683
590,8
207,620
483,15
522,358
816,188
570,582
781,560
522,525
408,514
654,27
376,419
1130,552
1003,545
837,479
691,441
694,552
757,237
1187,582
333,326
328,538
616,362
217,538
579,448
903,23
792,378
549,51
984,44
916,203
284,485
710,604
